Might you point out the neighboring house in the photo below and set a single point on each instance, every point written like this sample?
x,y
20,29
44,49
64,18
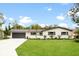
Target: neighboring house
x,y
54,32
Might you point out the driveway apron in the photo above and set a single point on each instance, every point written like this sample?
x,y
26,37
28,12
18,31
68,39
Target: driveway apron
x,y
8,46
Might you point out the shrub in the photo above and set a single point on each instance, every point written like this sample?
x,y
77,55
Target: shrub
x,y
76,40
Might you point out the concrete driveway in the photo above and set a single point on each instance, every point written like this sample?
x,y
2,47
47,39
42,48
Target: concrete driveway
x,y
8,46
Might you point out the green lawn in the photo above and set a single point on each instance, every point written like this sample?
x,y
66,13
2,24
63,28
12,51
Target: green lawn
x,y
49,48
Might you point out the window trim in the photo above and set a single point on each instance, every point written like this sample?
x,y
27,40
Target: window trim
x,y
53,33
40,33
66,33
33,33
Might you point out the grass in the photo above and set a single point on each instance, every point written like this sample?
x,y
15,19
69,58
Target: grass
x,y
48,48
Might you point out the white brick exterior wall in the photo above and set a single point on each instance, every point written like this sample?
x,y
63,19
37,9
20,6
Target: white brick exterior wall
x,y
57,33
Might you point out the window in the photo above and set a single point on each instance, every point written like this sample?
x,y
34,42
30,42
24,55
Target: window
x,y
41,33
64,33
33,33
51,33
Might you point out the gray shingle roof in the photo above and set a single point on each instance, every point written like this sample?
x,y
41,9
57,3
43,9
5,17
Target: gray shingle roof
x,y
31,30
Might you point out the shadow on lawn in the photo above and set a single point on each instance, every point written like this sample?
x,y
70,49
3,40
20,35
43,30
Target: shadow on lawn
x,y
77,40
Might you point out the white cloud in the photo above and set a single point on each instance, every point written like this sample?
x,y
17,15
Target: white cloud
x,y
75,25
43,25
20,17
25,20
63,25
11,19
5,17
60,17
49,9
21,24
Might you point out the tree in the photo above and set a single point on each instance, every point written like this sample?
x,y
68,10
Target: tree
x,y
36,27
1,22
46,27
9,27
27,27
17,26
74,13
6,32
1,19
76,33
14,24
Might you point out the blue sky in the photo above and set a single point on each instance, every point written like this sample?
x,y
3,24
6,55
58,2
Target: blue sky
x,y
40,13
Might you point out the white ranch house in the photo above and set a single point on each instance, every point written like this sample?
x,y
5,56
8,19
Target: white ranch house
x,y
54,32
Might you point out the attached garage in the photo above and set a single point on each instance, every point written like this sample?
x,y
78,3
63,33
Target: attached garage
x,y
19,34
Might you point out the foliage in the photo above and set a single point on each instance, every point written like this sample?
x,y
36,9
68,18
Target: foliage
x,y
16,25
27,27
6,32
73,13
77,20
5,37
46,27
1,19
35,26
1,22
77,31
